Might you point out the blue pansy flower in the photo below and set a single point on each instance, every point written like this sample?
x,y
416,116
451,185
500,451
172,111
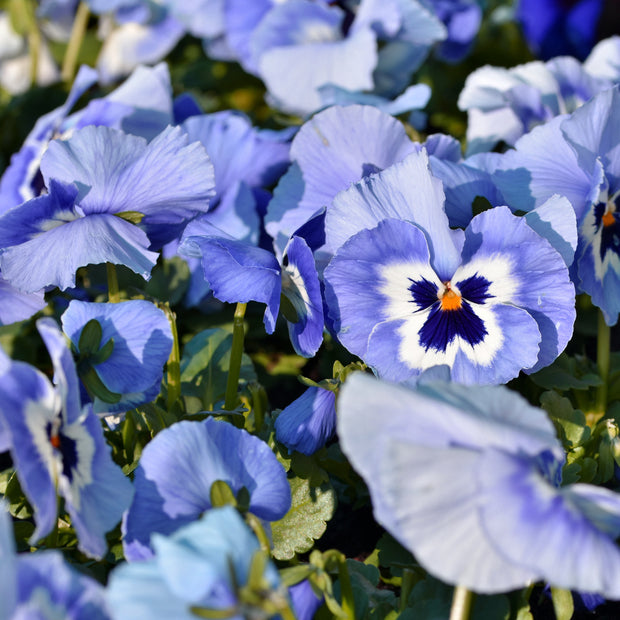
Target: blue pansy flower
x,y
239,272
469,481
335,148
410,293
199,454
43,585
94,179
137,339
504,104
462,20
59,447
309,421
142,106
205,565
585,167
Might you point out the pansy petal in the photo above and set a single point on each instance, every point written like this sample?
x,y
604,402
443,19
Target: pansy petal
x,y
142,341
308,422
199,454
53,257
406,190
16,305
300,284
525,512
238,272
538,273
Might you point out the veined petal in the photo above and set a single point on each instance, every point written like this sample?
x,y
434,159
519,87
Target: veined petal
x,y
524,512
142,341
406,190
300,284
239,272
199,454
168,180
536,278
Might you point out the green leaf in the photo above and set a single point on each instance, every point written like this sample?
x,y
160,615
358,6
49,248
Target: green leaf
x,y
288,309
294,574
133,217
393,555
204,366
95,385
570,422
103,354
306,520
169,280
562,603
567,373
308,467
90,338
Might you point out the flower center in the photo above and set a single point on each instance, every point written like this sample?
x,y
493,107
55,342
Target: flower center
x,y
450,299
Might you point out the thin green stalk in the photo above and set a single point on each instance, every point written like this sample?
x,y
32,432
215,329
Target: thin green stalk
x,y
257,527
462,603
236,354
114,293
174,361
346,589
603,354
405,588
34,48
75,42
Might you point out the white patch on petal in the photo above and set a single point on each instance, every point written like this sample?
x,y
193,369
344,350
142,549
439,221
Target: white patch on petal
x,y
37,415
63,217
498,270
395,280
318,32
594,238
294,289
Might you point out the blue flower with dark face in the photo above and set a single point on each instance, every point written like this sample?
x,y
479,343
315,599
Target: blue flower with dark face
x,y
43,585
58,447
410,293
469,481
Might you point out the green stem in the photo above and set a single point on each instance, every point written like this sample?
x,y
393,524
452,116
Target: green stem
x,y
405,588
462,603
75,42
257,527
114,293
346,589
34,47
174,361
236,354
603,353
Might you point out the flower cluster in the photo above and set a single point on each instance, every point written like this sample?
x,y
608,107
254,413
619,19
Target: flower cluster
x,y
263,199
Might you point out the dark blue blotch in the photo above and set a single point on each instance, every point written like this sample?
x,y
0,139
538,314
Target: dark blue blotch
x,y
368,169
424,293
610,235
443,326
475,289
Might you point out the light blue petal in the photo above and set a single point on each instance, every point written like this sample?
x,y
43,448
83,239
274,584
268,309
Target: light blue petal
x,y
542,284
65,375
238,272
168,180
308,422
142,341
53,257
407,191
525,513
8,577
17,306
199,454
555,220
293,74
300,284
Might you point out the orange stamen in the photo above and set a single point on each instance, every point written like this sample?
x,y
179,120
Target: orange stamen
x,y
55,441
451,300
609,219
